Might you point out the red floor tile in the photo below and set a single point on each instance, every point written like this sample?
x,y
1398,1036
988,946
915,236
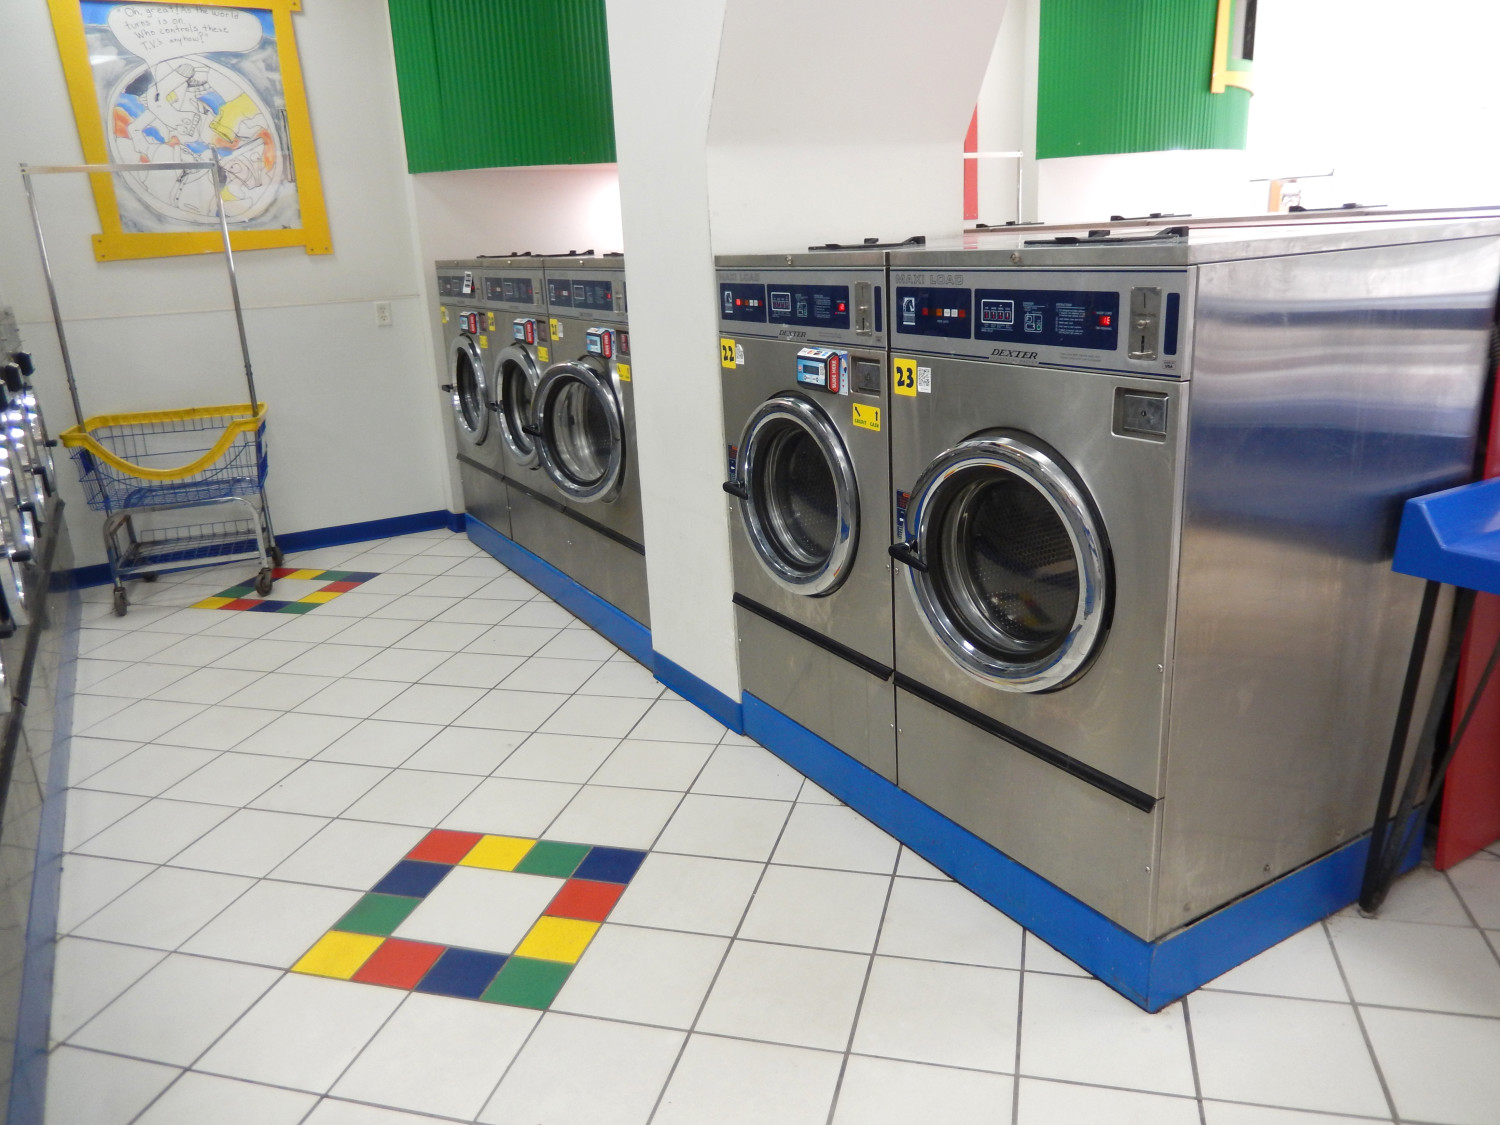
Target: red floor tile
x,y
442,846
589,902
398,963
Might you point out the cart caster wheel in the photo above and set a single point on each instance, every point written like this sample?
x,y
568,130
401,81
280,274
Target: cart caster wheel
x,y
121,601
263,583
152,577
277,558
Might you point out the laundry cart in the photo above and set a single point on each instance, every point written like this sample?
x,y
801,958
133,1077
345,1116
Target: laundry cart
x,y
179,489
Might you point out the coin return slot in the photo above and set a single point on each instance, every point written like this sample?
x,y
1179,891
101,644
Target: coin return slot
x,y
1145,321
1141,414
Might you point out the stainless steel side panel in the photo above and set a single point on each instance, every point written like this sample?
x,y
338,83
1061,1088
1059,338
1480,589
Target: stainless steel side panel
x,y
1093,846
828,695
611,570
1112,717
1327,389
485,497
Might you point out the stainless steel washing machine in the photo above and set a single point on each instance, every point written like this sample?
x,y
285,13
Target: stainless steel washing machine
x,y
1147,638
583,428
803,361
468,325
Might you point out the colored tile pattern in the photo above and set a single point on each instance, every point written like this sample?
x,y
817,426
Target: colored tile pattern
x,y
360,946
333,583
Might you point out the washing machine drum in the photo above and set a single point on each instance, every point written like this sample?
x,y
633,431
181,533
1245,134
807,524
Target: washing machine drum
x,y
515,381
800,499
471,397
1010,564
580,430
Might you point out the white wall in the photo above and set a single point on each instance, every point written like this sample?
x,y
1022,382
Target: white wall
x,y
1009,81
348,441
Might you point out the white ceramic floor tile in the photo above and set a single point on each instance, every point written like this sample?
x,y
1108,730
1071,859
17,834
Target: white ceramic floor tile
x,y
1300,1054
618,678
511,587
470,750
272,923
297,736
1042,958
218,727
442,637
247,625
379,742
677,721
473,669
748,771
952,1015
165,908
1439,1068
203,685
136,681
512,710
279,691
828,836
827,909
511,640
371,631
86,1086
579,644
480,909
557,757
888,1092
250,842
91,709
90,812
782,994
653,765
1478,881
622,818
149,771
400,665
645,976
811,794
688,892
626,1070
541,612
197,652
129,646
1303,965
360,605
942,921
156,831
349,853
144,720
174,1012
232,779
725,827
1421,895
545,673
509,807
409,796
91,882
395,584
330,660
1411,965
303,1033
88,975
601,715
479,611
1062,1103
196,1099
311,628
1230,1113
438,1055
1079,1030
731,1082
352,698
320,788
414,607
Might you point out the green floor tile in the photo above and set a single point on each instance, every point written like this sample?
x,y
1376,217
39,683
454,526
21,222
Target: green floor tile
x,y
332,576
548,857
525,983
237,591
300,607
377,914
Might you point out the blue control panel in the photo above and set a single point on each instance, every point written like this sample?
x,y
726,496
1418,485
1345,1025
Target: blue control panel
x,y
1048,316
742,301
934,312
808,306
596,295
559,291
515,290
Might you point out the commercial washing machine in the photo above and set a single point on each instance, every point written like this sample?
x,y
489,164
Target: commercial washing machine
x,y
583,428
468,325
1147,638
803,361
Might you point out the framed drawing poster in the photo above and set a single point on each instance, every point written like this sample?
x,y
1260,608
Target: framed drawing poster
x,y
173,82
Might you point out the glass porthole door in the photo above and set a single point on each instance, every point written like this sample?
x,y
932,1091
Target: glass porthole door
x,y
1008,562
516,379
800,502
471,401
579,430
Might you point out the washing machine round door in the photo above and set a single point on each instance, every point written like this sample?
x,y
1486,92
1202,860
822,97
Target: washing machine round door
x,y
579,430
800,501
516,378
1008,560
471,399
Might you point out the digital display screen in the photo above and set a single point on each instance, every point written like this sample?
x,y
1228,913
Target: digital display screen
x,y
742,302
934,312
596,295
809,306
514,290
1061,318
559,292
451,284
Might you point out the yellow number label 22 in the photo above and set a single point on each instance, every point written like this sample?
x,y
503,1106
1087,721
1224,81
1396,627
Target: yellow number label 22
x,y
726,352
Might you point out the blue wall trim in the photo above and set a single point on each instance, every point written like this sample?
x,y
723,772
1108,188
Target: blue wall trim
x,y
1152,974
582,602
694,690
337,536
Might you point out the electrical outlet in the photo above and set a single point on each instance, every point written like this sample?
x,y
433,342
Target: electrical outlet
x,y
382,314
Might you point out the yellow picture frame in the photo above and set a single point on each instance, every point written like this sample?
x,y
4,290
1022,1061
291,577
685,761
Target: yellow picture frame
x,y
1228,69
115,242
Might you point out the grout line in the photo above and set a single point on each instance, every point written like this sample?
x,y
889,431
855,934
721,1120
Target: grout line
x,y
864,988
1187,1023
1469,914
1359,1018
1015,1081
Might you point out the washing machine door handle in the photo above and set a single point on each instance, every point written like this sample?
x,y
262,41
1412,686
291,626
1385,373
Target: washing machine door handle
x,y
906,552
446,388
531,431
735,488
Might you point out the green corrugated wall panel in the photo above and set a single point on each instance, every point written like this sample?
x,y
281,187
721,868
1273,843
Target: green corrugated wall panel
x,y
496,83
1132,76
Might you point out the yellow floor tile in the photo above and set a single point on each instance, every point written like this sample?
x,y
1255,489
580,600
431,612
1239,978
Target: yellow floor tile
x,y
338,955
303,573
498,853
212,603
320,596
557,939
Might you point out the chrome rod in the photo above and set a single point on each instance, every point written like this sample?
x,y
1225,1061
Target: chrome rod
x,y
57,320
53,169
234,284
1279,218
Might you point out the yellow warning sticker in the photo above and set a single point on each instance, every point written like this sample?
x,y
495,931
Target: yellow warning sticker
x,y
556,328
484,341
543,355
624,370
726,352
490,321
444,310
904,376
867,417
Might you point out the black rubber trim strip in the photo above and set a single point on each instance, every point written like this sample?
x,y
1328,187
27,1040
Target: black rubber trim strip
x,y
827,644
556,506
1132,796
